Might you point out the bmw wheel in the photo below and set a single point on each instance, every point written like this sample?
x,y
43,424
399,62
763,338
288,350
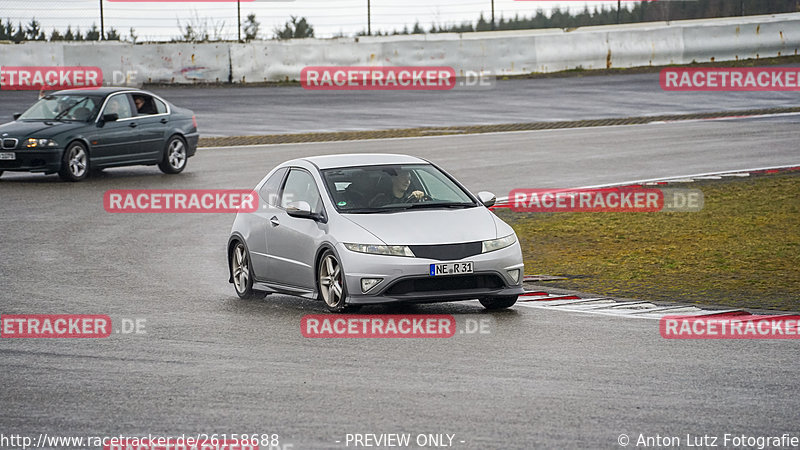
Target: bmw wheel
x,y
241,271
74,163
174,160
492,303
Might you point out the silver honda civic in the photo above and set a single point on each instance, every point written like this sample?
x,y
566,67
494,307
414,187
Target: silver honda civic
x,y
373,228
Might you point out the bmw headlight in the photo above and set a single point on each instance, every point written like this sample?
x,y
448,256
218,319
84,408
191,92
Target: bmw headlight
x,y
33,142
389,250
497,244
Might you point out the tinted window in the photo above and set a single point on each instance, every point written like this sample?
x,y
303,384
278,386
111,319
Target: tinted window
x,y
269,191
144,104
120,106
300,186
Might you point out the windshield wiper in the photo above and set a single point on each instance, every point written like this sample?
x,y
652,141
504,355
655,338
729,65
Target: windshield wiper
x,y
365,211
439,205
64,112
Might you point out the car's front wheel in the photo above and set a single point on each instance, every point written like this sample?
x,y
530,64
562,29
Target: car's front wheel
x,y
241,271
74,163
174,160
492,303
331,283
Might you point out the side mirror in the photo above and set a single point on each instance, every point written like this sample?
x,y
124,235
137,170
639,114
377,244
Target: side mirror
x,y
113,117
299,209
487,198
16,115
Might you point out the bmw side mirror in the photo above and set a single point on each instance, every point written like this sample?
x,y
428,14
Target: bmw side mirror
x,y
16,115
113,117
299,209
487,198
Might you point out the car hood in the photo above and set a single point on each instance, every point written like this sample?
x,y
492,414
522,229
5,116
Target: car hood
x,y
21,128
429,226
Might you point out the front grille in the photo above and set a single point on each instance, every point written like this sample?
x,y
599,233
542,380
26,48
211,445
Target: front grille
x,y
447,251
445,283
10,143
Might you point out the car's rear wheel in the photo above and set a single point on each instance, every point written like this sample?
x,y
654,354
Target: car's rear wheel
x,y
242,271
175,157
492,303
74,163
332,287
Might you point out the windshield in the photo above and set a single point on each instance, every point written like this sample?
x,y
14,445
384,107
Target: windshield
x,y
375,189
80,108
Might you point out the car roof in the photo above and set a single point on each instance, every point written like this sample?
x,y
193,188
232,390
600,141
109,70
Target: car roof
x,y
361,159
98,91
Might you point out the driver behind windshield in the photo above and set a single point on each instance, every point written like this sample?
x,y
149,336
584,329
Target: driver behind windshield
x,y
400,191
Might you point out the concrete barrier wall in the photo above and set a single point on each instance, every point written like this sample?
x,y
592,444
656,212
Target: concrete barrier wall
x,y
500,52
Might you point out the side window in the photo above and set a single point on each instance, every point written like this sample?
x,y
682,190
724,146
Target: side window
x,y
161,108
120,106
300,186
269,191
144,104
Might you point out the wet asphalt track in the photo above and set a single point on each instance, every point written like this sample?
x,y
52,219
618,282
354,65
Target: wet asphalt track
x,y
259,110
211,363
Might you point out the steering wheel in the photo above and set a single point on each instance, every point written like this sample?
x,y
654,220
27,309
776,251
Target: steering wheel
x,y
409,199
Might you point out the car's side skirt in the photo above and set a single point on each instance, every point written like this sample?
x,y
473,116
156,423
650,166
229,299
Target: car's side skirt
x,y
284,289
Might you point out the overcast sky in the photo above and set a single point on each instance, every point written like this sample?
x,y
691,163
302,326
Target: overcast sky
x,y
158,20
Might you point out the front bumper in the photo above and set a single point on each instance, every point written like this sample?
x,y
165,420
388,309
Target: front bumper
x,y
47,161
408,279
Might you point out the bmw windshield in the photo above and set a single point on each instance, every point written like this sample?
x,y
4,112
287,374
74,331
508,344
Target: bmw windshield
x,y
387,188
80,108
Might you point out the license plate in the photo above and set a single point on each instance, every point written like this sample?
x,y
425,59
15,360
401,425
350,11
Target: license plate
x,y
8,156
456,268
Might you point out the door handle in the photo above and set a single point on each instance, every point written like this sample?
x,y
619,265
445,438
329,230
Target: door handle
x,y
132,125
274,221
164,120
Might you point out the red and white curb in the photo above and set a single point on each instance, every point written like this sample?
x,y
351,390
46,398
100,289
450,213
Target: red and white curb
x,y
633,309
610,307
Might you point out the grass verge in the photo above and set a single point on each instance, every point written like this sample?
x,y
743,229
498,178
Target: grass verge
x,y
742,250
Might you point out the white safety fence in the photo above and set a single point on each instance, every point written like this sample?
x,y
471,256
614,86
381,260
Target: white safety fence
x,y
496,53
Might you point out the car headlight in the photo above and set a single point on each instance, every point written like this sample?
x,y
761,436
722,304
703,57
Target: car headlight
x,y
390,250
497,244
33,142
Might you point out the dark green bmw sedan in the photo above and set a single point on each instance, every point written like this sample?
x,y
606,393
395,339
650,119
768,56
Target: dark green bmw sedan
x,y
75,131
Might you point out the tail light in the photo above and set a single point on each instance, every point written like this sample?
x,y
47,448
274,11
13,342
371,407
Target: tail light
x,y
194,121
